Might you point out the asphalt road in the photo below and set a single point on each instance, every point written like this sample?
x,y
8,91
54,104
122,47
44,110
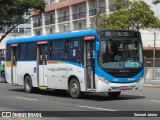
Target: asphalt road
x,y
13,98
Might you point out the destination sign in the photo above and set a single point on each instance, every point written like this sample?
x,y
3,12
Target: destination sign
x,y
104,34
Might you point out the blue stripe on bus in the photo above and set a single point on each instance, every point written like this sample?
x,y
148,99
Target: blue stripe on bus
x,y
26,61
63,61
68,62
54,36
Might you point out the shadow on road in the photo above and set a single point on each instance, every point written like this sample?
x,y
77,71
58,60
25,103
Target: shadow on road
x,y
85,96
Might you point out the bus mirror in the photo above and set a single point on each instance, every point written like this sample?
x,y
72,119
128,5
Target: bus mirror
x,y
97,46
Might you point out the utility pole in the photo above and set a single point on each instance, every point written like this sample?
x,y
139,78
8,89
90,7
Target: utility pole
x,y
154,51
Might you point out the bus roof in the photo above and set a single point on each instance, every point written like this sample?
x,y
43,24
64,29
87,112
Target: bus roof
x,y
54,36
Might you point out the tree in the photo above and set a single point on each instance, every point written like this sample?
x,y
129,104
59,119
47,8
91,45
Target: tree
x,y
138,16
12,12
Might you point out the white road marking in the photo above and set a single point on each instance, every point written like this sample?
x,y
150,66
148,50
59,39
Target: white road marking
x,y
96,108
27,98
155,100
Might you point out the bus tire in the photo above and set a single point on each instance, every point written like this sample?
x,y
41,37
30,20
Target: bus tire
x,y
74,88
114,94
3,76
28,84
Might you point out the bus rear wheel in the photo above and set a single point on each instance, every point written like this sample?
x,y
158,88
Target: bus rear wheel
x,y
28,84
74,88
114,94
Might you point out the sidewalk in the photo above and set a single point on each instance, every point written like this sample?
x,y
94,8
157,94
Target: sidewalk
x,y
152,84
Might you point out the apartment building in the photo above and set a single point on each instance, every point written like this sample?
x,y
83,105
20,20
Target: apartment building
x,y
68,15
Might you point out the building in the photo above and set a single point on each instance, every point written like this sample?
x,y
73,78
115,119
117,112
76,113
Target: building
x,y
68,15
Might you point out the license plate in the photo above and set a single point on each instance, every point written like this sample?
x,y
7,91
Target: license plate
x,y
123,87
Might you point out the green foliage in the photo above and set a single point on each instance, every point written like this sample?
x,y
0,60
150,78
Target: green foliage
x,y
12,11
138,16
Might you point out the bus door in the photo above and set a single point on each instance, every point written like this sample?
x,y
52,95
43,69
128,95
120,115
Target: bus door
x,y
14,57
89,49
42,62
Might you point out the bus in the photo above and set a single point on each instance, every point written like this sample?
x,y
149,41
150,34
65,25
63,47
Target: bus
x,y
77,61
2,63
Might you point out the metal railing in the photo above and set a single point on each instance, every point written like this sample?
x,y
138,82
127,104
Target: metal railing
x,y
152,72
37,24
48,22
63,19
148,62
79,15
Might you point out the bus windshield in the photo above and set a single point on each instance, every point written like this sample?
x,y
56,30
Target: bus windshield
x,y
121,53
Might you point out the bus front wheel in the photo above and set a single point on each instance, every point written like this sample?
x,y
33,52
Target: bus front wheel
x,y
74,88
114,94
28,84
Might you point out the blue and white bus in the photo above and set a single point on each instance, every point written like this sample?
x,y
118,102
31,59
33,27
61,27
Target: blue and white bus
x,y
78,61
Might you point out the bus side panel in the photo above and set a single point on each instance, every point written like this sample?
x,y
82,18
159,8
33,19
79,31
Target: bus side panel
x,y
8,72
77,71
59,73
26,67
57,78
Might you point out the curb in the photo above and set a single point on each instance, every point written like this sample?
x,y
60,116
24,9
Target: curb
x,y
151,86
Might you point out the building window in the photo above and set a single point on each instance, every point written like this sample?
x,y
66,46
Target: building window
x,y
80,11
38,33
64,28
21,30
15,30
64,15
51,16
51,30
52,1
79,25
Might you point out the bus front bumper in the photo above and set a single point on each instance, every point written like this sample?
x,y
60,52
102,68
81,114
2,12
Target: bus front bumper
x,y
113,87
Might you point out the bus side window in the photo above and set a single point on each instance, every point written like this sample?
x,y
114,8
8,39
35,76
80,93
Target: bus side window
x,y
73,50
57,49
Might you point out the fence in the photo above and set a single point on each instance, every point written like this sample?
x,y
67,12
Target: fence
x,y
152,72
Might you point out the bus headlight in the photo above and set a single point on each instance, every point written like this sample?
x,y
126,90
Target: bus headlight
x,y
142,78
103,79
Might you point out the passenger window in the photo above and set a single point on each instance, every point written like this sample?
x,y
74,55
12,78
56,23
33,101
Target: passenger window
x,y
8,57
23,51
57,49
32,51
73,49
